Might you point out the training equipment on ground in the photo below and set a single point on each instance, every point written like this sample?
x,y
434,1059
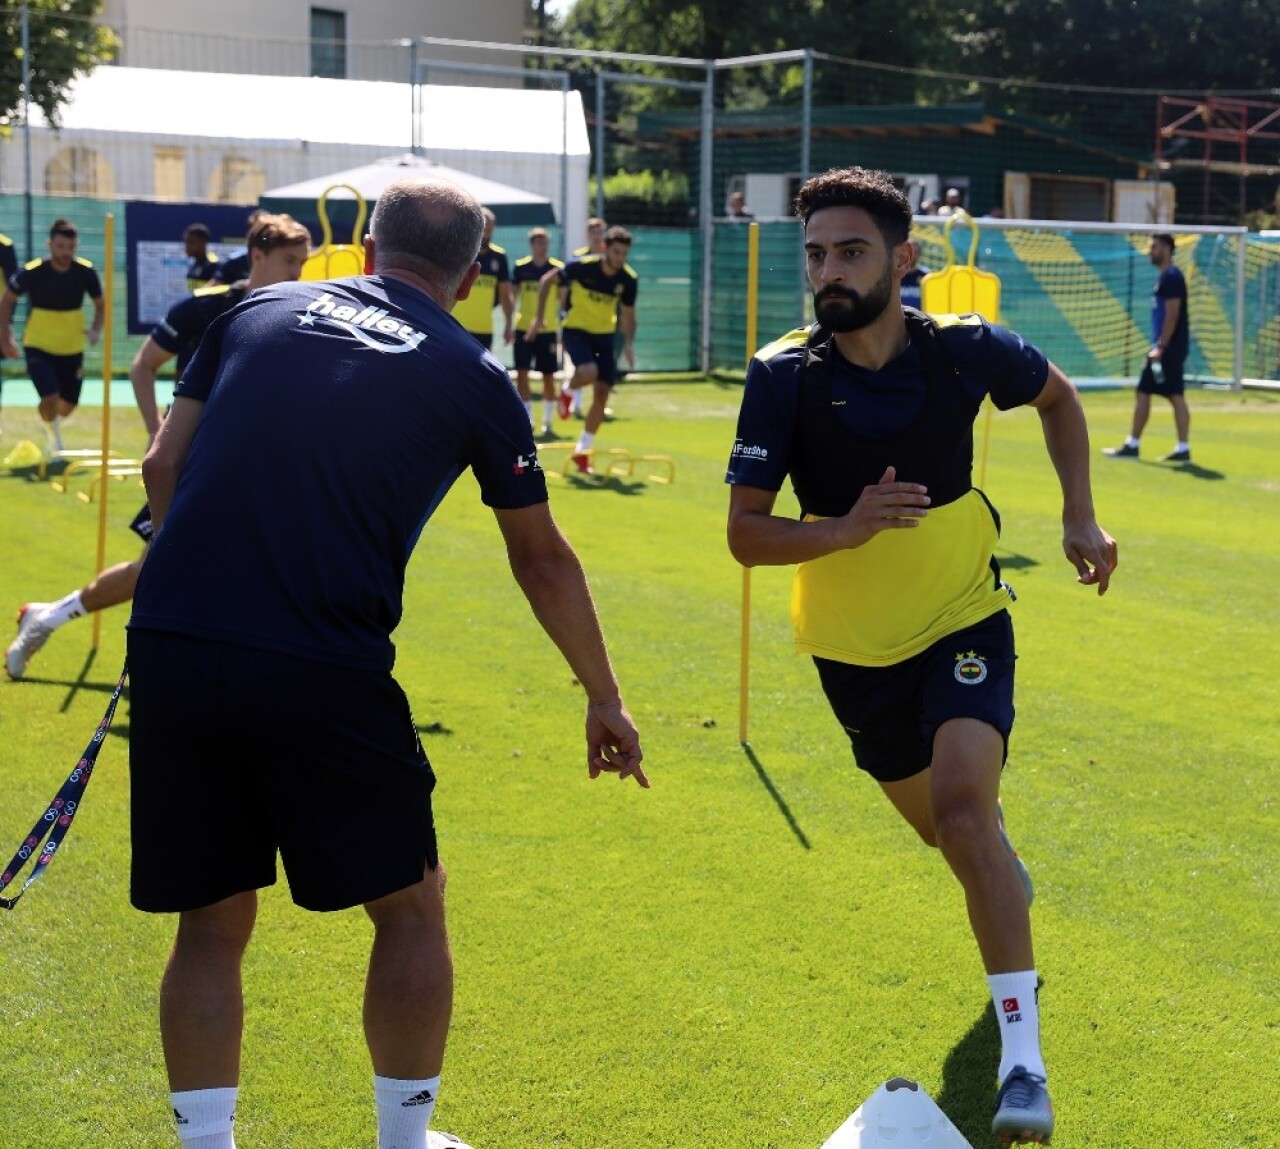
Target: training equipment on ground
x,y
437,1140
898,1115
334,260
959,290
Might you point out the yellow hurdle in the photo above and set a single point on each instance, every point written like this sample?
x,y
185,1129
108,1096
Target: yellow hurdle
x,y
334,260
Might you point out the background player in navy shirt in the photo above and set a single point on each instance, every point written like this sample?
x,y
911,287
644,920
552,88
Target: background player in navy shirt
x,y
1162,370
278,247
260,652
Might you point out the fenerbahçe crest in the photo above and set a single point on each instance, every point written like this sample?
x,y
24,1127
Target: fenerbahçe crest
x,y
971,668
373,326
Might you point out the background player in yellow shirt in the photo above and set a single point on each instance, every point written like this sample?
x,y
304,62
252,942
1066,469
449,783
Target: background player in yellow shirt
x,y
601,301
492,289
54,337
538,351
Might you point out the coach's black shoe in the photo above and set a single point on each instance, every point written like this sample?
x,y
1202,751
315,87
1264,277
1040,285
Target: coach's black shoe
x,y
1183,456
1124,451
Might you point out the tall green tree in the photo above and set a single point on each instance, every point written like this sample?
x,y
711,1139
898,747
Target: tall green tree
x,y
65,43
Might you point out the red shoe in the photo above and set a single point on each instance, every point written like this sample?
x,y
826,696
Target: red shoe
x,y
564,404
583,462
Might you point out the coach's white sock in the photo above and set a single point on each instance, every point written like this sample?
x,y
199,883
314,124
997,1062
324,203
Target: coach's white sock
x,y
528,410
1130,441
1018,1014
205,1118
584,441
1183,445
404,1111
64,610
548,411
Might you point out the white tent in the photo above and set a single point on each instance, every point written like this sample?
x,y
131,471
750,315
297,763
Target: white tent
x,y
141,133
512,205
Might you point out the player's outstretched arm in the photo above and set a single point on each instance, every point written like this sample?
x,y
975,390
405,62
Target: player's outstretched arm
x,y
1087,546
142,374
8,345
758,537
549,574
168,454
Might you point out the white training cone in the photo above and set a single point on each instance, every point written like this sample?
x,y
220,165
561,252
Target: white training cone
x,y
898,1115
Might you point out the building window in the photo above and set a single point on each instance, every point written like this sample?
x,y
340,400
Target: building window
x,y
78,170
169,172
329,43
237,179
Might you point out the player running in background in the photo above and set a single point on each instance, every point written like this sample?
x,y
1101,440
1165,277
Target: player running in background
x,y
493,288
54,337
278,247
601,301
596,227
897,595
538,352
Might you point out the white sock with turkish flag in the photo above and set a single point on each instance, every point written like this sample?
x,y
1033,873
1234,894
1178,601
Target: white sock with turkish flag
x,y
1018,1014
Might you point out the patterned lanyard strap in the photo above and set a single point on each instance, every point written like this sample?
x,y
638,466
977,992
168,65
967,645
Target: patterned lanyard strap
x,y
56,820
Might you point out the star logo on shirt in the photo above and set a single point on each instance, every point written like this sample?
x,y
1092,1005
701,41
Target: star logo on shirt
x,y
306,319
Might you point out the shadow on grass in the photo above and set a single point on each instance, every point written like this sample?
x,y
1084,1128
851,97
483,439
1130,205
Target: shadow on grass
x,y
432,728
1192,469
1198,472
1016,562
969,1080
606,483
778,799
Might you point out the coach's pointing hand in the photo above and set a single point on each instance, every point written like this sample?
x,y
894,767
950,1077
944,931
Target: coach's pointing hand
x,y
613,742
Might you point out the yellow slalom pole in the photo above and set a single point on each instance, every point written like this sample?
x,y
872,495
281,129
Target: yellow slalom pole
x,y
108,294
753,315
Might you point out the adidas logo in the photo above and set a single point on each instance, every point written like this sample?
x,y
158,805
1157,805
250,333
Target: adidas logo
x,y
423,1098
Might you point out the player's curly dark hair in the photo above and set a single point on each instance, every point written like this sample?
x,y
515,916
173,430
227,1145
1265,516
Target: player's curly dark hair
x,y
872,191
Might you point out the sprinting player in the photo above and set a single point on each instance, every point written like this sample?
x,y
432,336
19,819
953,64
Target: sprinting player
x,y
54,337
278,247
260,653
8,268
1162,371
492,288
596,227
601,301
202,264
538,352
897,595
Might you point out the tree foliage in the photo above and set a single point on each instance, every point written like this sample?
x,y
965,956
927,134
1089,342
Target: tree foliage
x,y
65,43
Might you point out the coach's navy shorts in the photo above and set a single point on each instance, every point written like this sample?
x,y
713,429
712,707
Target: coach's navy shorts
x,y
60,375
540,354
891,713
235,754
583,347
1172,381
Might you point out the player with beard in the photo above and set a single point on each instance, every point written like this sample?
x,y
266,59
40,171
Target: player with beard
x,y
897,596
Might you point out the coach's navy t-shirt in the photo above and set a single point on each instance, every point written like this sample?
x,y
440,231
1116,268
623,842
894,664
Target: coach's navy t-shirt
x,y
337,415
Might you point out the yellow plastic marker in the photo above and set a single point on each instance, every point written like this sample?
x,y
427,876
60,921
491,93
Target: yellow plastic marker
x,y
333,260
957,290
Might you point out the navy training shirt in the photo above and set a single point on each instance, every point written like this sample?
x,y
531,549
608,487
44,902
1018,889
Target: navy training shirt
x,y
337,416
875,404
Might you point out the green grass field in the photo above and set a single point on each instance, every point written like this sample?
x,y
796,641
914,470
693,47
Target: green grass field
x,y
738,957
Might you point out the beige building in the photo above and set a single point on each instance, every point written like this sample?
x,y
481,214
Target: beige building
x,y
336,39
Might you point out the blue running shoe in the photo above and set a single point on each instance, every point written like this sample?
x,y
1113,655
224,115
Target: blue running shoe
x,y
1024,1112
1024,874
